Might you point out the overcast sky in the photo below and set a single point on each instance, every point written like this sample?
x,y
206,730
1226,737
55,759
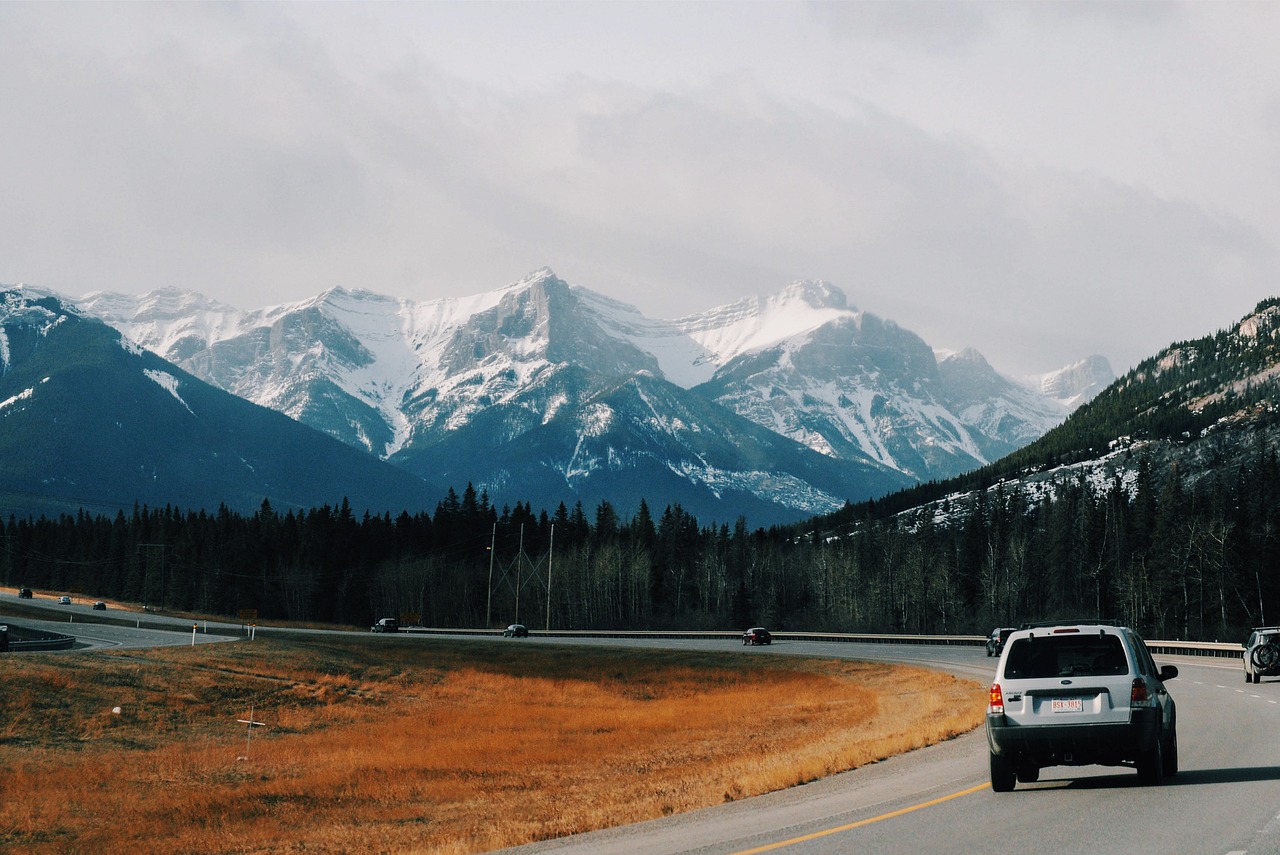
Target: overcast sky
x,y
1039,181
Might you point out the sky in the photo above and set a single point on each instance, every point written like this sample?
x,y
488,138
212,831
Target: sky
x,y
1040,181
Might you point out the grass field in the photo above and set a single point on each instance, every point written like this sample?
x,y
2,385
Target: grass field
x,y
412,745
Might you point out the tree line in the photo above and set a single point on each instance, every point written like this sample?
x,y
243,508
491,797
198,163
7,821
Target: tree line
x,y
1172,558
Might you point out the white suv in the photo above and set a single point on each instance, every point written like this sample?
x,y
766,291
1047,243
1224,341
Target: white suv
x,y
1079,695
1262,654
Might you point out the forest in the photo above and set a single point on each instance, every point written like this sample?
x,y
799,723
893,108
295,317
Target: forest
x,y
1175,560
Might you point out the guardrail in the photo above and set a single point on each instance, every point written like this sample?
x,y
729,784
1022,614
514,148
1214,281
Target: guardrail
x,y
1216,649
1213,649
20,639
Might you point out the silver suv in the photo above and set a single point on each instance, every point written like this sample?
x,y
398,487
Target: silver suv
x,y
1079,695
1262,654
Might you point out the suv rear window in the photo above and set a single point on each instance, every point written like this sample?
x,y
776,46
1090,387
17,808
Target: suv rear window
x,y
1066,656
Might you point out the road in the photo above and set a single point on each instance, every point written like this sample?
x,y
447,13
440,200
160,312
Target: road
x,y
1224,801
111,628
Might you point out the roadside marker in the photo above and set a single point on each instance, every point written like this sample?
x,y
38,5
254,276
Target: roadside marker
x,y
249,731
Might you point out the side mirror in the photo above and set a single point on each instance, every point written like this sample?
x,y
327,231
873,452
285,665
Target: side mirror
x,y
1168,672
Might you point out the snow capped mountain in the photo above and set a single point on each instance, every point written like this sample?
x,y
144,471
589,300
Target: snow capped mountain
x,y
452,386
1077,383
90,420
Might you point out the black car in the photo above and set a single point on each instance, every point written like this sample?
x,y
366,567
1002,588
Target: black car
x,y
997,638
757,635
516,630
24,594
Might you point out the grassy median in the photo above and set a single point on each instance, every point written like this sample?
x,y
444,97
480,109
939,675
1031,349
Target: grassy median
x,y
413,745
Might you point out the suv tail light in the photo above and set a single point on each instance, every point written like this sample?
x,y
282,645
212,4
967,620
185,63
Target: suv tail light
x,y
996,704
1138,695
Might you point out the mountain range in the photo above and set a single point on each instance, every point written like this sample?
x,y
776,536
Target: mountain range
x,y
89,420
773,408
1198,410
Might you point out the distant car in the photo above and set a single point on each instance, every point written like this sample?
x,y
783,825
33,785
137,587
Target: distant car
x,y
997,638
386,624
757,635
64,601
24,594
516,630
1262,654
99,606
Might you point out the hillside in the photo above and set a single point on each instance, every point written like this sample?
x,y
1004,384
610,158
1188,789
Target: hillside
x,y
90,421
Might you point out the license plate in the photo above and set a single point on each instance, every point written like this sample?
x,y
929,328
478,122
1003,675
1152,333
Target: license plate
x,y
1066,705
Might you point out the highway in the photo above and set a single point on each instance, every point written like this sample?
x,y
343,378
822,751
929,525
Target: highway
x,y
111,628
1225,799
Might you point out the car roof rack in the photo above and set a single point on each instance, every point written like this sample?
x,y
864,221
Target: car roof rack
x,y
1043,624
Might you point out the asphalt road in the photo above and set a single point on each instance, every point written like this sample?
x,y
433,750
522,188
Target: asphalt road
x,y
110,628
1224,801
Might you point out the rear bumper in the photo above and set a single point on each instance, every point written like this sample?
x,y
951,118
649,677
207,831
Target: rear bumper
x,y
1075,744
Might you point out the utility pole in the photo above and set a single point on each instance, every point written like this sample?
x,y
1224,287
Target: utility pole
x,y
146,573
488,603
550,549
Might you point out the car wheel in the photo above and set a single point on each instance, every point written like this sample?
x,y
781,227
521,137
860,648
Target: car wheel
x,y
1151,764
1003,778
1171,754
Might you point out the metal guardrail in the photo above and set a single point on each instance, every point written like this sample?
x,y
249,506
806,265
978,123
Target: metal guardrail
x,y
1213,649
20,639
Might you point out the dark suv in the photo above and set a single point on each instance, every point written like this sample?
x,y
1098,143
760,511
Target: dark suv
x,y
997,638
1079,695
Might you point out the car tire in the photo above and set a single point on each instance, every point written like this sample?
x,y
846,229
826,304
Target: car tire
x,y
1151,764
1003,777
1171,755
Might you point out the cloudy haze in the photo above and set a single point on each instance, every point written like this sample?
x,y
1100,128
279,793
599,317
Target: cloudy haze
x,y
1039,181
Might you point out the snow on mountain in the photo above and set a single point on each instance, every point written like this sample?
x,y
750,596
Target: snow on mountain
x,y
88,422
691,349
1077,383
399,377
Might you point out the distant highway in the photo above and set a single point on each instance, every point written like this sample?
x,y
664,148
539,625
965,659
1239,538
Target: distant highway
x,y
105,629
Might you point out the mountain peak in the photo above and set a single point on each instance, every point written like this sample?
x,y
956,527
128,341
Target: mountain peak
x,y
1078,382
814,293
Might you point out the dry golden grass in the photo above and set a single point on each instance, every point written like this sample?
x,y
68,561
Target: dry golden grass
x,y
409,745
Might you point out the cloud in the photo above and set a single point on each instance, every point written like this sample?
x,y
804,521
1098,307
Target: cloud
x,y
1032,180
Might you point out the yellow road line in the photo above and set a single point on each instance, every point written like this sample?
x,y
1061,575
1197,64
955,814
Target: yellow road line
x,y
817,834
